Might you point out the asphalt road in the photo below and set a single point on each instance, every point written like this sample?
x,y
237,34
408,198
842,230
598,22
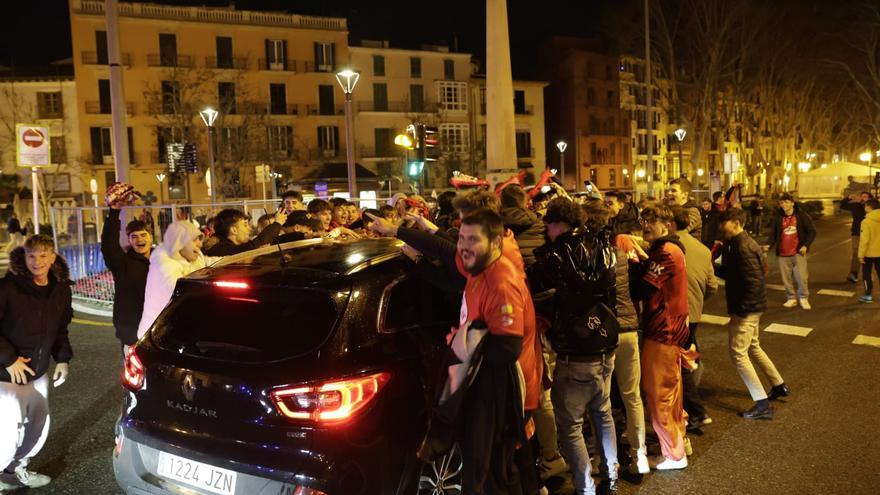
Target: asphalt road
x,y
824,438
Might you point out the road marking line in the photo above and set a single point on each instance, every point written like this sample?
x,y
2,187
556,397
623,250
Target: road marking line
x,y
714,319
776,287
788,329
866,340
92,322
834,292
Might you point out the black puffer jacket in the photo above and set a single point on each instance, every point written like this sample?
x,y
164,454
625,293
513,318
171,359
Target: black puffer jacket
x,y
33,325
129,271
527,229
626,310
742,268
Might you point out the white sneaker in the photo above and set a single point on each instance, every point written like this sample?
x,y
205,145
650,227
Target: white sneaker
x,y
552,467
688,449
661,463
640,465
26,478
791,303
805,304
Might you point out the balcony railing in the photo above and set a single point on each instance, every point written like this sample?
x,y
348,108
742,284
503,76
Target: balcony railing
x,y
157,60
388,106
94,107
288,109
91,58
263,64
526,110
311,66
50,113
252,108
233,63
329,110
322,154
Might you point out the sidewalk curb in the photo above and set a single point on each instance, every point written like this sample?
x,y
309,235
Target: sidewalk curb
x,y
90,310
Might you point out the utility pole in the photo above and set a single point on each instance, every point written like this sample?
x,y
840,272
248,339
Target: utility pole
x,y
117,93
649,172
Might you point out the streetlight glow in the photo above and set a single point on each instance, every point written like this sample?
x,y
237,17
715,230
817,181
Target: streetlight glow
x,y
347,80
209,115
404,141
562,145
641,173
700,172
865,156
680,133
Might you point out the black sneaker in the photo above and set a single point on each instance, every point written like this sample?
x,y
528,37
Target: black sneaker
x,y
778,391
697,422
758,412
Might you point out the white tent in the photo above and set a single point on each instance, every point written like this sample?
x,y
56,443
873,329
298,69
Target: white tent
x,y
830,182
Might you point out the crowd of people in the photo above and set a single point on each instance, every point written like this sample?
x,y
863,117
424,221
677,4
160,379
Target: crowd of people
x,y
580,305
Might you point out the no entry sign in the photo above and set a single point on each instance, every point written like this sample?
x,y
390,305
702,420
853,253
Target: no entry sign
x,y
32,145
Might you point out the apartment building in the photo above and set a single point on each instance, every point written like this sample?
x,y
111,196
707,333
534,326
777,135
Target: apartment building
x,y
399,87
528,110
45,98
584,110
270,75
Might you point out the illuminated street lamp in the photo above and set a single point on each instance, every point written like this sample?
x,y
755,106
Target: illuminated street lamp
x,y
562,145
209,115
161,178
700,172
640,173
347,80
404,141
680,133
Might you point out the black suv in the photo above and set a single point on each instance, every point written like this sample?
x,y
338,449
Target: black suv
x,y
303,369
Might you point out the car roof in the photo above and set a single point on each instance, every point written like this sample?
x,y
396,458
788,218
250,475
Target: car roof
x,y
342,257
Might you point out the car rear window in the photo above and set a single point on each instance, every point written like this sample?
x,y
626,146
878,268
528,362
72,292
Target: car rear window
x,y
250,326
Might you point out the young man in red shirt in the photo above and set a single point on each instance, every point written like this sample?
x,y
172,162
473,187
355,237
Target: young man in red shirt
x,y
792,233
663,290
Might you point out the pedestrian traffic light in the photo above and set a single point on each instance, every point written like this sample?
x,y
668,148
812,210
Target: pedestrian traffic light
x,y
414,168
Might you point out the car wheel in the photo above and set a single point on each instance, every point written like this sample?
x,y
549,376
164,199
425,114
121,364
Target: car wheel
x,y
443,476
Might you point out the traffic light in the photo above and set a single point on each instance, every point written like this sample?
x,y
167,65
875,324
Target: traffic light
x,y
431,138
414,168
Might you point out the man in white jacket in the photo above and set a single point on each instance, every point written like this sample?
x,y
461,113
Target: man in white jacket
x,y
179,255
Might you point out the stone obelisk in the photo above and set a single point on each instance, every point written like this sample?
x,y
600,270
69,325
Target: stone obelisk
x,y
500,128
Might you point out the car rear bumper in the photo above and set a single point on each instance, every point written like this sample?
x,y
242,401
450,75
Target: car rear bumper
x,y
135,466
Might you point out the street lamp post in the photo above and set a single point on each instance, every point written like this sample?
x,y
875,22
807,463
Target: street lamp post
x,y
209,115
161,178
562,145
680,134
866,157
348,79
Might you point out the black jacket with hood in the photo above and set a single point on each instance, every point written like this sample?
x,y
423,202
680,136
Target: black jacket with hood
x,y
742,268
527,229
129,271
33,324
227,248
806,231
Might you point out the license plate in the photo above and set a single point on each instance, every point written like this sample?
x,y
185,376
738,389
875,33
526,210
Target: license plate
x,y
197,474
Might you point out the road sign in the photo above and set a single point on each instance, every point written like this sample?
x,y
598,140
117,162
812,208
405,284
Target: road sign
x,y
262,172
32,146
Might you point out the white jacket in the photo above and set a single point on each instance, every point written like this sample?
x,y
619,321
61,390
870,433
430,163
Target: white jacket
x,y
166,266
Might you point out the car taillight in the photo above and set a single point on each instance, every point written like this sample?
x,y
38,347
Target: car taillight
x,y
133,372
304,490
231,284
329,402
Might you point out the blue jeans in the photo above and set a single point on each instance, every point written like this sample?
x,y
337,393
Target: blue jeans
x,y
579,388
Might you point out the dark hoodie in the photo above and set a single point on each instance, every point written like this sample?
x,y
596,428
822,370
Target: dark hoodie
x,y
129,271
806,230
33,320
527,229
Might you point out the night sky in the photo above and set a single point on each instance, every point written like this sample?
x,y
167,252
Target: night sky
x,y
38,32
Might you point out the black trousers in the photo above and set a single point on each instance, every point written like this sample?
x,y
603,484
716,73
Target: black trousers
x,y
690,380
866,273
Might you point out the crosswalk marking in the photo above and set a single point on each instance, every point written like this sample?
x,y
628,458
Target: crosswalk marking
x,y
834,292
775,287
866,340
714,319
788,329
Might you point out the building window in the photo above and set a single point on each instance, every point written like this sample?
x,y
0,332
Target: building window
x,y
482,100
325,100
49,105
612,177
591,96
102,145
328,140
167,50
594,153
226,93
594,175
415,67
380,97
170,97
277,99
454,137
101,47
452,96
417,97
104,105
448,69
276,54
610,99
524,144
224,52
519,102
281,141
325,57
229,143
56,145
378,65
384,141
